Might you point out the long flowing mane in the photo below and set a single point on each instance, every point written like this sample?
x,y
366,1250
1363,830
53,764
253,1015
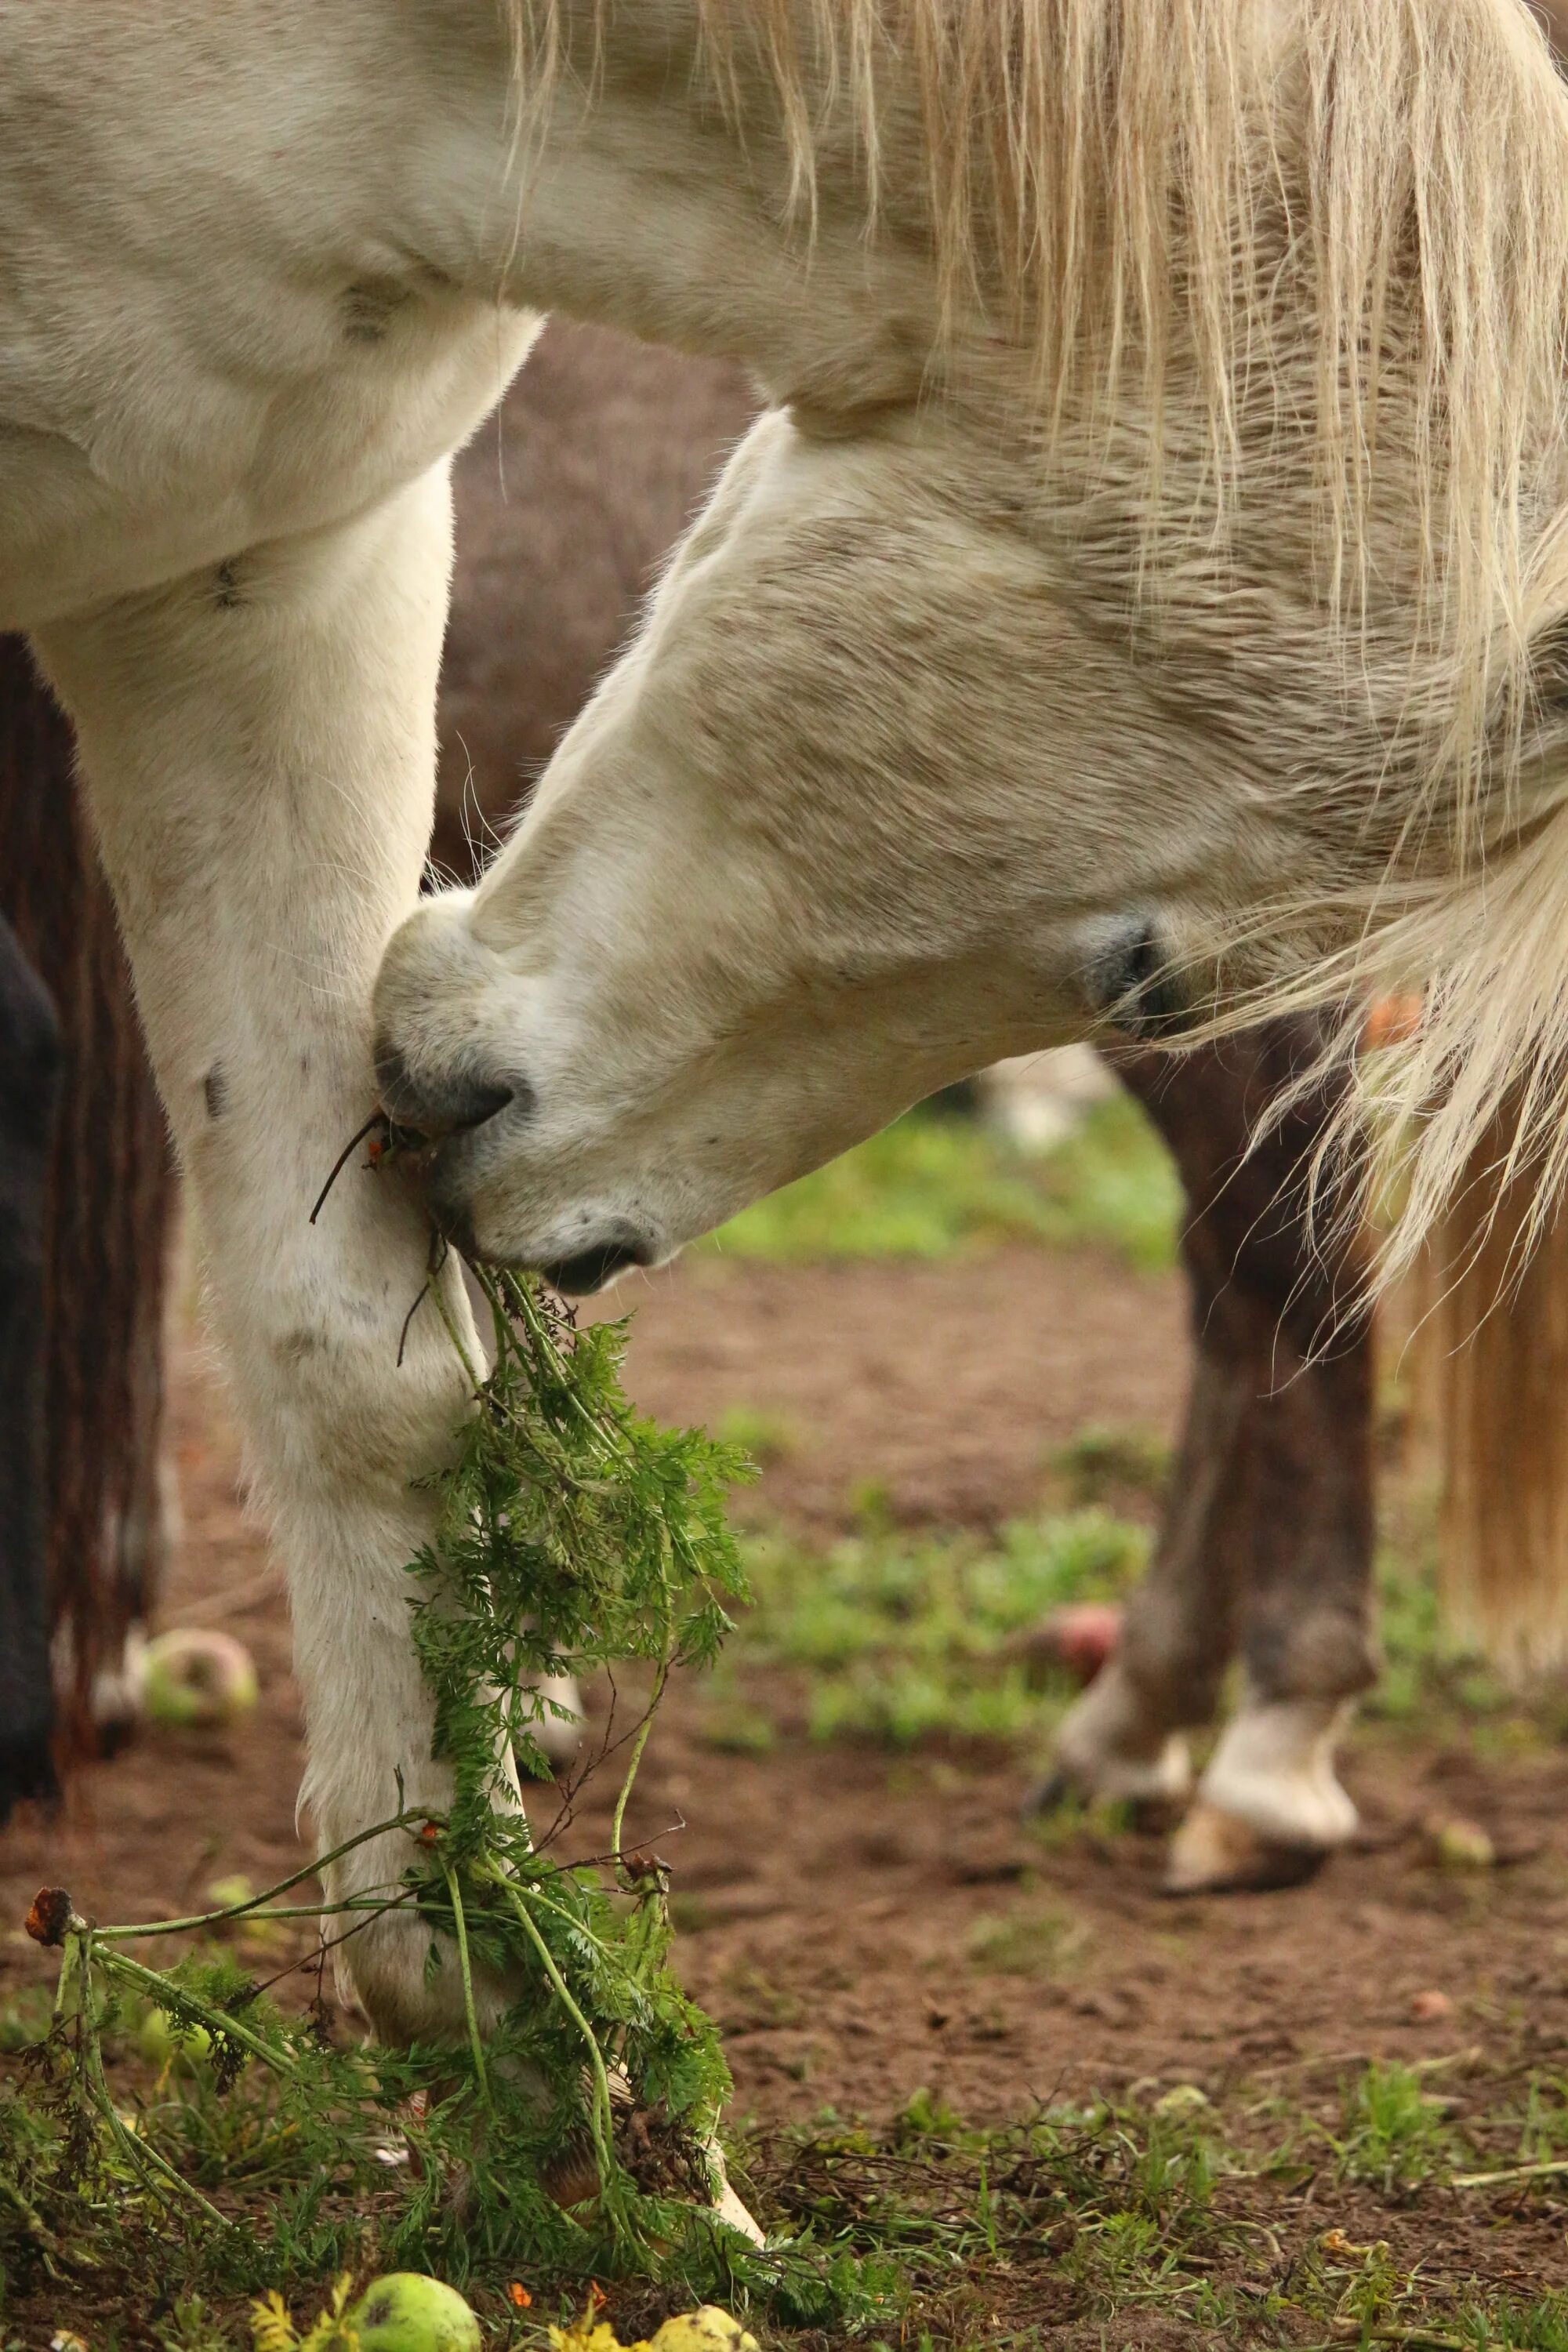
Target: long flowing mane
x,y
1294,266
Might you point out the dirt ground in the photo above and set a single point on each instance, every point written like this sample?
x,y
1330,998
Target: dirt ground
x,y
832,1898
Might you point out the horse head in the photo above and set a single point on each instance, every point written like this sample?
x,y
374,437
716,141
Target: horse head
x,y
866,805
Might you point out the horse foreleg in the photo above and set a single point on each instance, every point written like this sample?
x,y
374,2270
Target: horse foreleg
x,y
258,748
29,1090
1284,1301
1267,1539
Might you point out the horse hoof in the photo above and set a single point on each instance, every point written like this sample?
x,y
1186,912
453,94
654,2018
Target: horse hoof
x,y
1108,1746
1213,1852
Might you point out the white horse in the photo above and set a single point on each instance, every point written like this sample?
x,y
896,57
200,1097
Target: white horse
x,y
1153,553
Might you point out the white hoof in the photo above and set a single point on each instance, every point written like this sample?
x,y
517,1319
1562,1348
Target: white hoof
x,y
1108,1746
1274,1770
1215,1853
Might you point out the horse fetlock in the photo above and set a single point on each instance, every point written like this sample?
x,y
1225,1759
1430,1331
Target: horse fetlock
x,y
1113,1744
1274,1771
381,1950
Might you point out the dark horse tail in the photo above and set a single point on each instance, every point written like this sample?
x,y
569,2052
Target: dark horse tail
x,y
85,1191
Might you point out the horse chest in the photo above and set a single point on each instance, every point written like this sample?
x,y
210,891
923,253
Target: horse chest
x,y
137,447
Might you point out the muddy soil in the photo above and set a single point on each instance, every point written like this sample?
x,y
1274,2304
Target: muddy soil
x,y
844,1909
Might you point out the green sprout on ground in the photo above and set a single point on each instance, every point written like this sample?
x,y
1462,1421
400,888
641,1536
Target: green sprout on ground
x,y
901,1637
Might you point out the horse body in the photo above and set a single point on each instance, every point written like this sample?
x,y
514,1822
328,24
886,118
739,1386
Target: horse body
x,y
1001,683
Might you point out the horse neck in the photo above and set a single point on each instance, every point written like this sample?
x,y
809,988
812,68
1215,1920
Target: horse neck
x,y
623,190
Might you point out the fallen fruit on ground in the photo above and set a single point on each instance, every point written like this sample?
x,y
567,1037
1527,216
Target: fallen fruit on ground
x,y
409,2312
163,2043
1078,1638
708,2330
1460,1844
192,1677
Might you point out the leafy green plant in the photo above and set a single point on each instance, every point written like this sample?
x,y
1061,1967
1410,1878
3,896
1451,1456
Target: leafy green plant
x,y
1097,1461
575,2136
1396,2131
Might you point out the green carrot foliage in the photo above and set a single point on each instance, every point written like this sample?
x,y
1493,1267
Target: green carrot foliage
x,y
569,2130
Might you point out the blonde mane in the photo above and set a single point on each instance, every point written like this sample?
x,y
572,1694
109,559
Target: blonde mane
x,y
1317,252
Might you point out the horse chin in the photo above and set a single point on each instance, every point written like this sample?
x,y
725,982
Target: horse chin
x,y
578,1254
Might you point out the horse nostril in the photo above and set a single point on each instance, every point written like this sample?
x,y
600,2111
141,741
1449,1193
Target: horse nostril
x,y
472,1106
1129,980
590,1269
448,1104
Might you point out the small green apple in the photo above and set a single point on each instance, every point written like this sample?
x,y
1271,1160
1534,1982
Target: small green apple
x,y
407,2313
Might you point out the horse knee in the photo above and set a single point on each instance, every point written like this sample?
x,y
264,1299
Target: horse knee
x,y
332,1397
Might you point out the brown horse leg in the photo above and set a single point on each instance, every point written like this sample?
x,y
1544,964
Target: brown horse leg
x,y
106,1194
1124,1738
30,1092
1267,1541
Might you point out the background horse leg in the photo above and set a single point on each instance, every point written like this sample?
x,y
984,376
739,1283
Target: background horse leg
x,y
105,1195
1267,1539
568,501
29,1091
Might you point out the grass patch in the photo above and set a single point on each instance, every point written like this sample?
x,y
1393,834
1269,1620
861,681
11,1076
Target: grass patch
x,y
1101,1464
929,1187
1164,2222
1046,1941
1397,2130
1431,1679
761,1434
900,1638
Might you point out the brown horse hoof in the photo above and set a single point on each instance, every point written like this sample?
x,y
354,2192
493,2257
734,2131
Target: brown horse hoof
x,y
1215,1854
